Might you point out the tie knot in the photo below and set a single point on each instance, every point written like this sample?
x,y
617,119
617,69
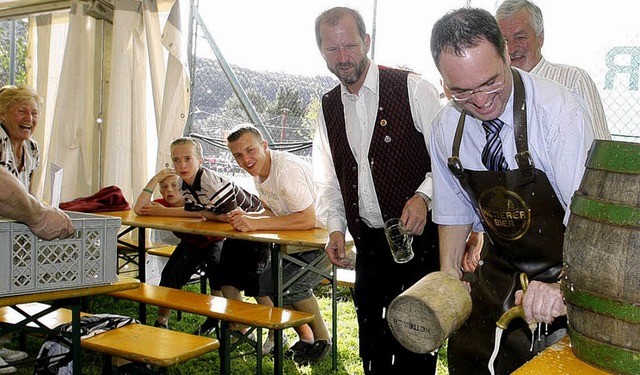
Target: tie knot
x,y
492,126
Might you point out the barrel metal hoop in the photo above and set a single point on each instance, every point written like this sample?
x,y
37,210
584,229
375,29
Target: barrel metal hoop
x,y
614,156
610,357
612,213
619,310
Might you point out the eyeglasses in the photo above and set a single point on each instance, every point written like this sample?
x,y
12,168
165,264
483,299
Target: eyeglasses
x,y
487,90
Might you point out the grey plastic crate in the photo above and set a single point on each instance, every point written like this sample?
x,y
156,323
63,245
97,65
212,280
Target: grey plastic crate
x,y
29,264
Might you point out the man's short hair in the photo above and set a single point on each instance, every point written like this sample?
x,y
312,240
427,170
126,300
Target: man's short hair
x,y
242,129
333,15
510,7
465,28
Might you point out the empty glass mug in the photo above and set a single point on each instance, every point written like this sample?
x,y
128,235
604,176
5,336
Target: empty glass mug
x,y
399,240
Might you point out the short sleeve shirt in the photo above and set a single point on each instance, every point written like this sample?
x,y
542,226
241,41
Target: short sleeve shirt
x,y
289,187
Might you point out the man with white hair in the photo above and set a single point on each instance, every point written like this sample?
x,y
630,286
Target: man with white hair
x,y
522,24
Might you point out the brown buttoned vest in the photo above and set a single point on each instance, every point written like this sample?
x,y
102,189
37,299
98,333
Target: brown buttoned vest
x,y
398,155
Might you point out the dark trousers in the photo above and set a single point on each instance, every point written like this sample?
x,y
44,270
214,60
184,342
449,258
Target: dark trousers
x,y
378,281
184,262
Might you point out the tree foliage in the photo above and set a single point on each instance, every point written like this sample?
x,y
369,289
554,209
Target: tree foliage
x,y
5,52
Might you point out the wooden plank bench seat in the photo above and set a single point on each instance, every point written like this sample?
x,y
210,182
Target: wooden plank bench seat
x,y
150,345
162,251
344,277
138,343
51,320
228,311
221,308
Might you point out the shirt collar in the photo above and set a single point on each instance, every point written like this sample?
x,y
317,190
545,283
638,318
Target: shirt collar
x,y
370,82
538,66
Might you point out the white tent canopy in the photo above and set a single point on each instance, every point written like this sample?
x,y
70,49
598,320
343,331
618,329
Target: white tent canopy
x,y
95,121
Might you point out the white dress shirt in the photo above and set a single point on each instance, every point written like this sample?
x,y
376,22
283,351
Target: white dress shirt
x,y
559,138
360,111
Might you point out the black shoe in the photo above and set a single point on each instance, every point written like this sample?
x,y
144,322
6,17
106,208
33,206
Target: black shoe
x,y
315,353
160,325
297,349
207,327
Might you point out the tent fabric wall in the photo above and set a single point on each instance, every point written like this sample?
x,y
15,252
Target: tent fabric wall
x,y
74,131
125,151
47,35
136,34
68,132
176,94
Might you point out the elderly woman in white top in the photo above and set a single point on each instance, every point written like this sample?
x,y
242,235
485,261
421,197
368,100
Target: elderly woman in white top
x,y
19,113
20,156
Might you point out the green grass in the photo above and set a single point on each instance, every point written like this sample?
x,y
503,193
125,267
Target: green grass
x,y
348,359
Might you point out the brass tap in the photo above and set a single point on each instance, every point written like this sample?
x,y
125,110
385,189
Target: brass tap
x,y
509,315
515,311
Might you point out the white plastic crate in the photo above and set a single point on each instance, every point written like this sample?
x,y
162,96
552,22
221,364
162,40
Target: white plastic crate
x,y
29,264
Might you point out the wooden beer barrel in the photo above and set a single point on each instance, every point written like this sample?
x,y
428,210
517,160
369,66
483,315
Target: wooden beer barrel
x,y
424,315
601,283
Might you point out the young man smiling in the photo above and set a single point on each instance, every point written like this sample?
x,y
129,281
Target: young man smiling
x,y
285,186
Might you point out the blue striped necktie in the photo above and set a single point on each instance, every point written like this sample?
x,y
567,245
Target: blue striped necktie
x,y
492,156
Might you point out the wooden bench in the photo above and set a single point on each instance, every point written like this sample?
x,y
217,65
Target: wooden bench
x,y
162,251
229,312
141,343
138,343
344,277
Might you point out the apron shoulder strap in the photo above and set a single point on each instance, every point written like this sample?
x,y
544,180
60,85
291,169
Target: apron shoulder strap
x,y
523,156
454,163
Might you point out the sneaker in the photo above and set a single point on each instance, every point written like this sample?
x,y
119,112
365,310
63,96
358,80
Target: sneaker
x,y
315,353
160,325
268,346
12,355
6,370
298,349
207,327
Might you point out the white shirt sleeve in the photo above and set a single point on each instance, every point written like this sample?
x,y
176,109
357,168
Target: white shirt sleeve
x,y
425,104
329,204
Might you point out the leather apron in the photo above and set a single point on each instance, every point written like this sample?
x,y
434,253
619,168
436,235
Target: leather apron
x,y
522,218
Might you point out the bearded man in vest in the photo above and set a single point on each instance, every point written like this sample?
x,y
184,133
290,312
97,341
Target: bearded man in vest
x,y
371,164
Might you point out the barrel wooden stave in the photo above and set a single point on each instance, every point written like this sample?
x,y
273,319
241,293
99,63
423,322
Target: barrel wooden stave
x,y
605,328
603,259
601,282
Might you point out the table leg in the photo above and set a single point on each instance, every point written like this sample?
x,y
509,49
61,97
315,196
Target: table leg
x,y
142,273
334,318
276,266
75,337
225,348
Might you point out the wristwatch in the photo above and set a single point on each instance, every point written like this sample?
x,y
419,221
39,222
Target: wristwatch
x,y
425,198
